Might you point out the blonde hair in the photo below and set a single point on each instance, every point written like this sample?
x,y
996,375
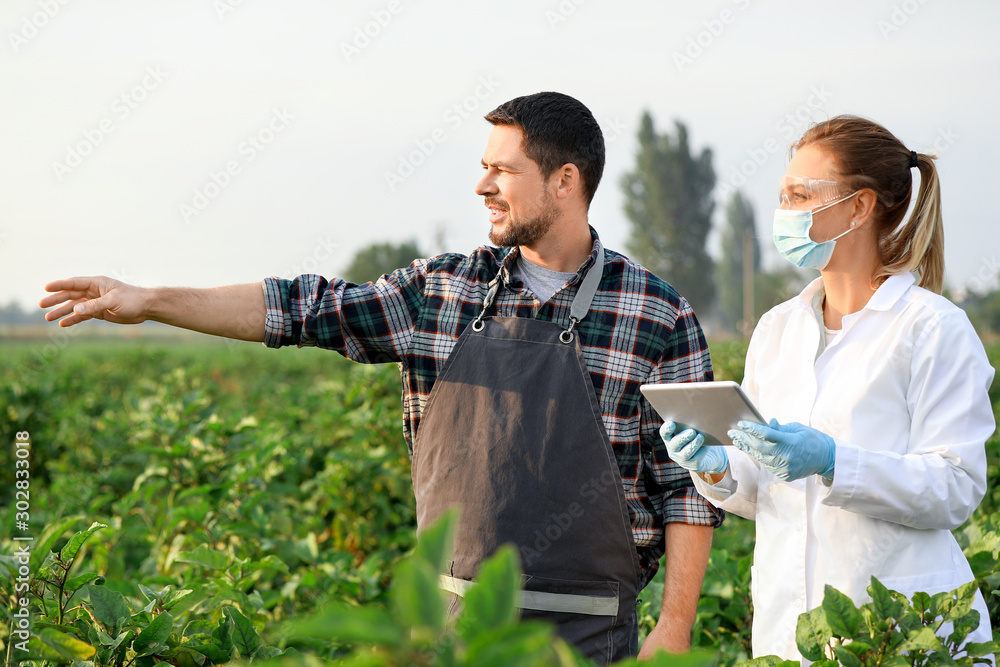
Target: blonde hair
x,y
868,156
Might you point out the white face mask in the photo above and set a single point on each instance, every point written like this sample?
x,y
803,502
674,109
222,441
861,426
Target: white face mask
x,y
791,237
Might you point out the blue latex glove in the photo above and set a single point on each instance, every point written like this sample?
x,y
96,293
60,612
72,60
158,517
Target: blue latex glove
x,y
687,450
791,452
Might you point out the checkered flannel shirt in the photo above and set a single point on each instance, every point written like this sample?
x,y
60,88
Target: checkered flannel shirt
x,y
638,330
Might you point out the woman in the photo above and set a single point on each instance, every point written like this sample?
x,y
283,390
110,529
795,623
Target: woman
x,y
876,388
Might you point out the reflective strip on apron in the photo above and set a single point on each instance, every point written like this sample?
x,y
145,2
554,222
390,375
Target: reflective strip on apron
x,y
541,601
512,434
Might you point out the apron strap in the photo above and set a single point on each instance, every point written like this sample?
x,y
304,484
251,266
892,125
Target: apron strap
x,y
584,295
491,293
581,302
591,605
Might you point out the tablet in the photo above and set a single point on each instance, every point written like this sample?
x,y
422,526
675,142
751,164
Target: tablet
x,y
713,408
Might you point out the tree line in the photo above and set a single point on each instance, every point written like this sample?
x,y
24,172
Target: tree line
x,y
670,204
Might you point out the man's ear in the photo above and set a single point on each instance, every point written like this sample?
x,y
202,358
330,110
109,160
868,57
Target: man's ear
x,y
864,206
566,180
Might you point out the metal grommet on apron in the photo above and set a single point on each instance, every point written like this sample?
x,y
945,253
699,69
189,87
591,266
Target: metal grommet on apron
x,y
512,434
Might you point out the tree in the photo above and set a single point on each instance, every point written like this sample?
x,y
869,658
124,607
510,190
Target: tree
x,y
379,258
739,241
668,198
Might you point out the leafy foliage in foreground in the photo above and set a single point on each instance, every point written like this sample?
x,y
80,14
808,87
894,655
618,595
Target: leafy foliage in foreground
x,y
241,489
890,631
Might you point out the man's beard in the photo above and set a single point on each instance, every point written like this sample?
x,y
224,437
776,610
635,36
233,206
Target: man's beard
x,y
524,233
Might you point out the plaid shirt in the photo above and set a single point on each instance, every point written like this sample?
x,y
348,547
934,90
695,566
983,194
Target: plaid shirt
x,y
638,330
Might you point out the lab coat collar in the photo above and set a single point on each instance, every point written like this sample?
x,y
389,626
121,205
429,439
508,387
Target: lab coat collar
x,y
891,291
884,298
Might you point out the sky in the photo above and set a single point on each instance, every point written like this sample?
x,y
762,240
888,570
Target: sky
x,y
210,142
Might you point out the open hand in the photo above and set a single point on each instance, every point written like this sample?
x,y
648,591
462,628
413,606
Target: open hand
x,y
94,297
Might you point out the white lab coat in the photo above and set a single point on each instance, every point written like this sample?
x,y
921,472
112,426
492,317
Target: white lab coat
x,y
903,392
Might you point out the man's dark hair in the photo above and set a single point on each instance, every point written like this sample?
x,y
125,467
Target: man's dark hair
x,y
558,129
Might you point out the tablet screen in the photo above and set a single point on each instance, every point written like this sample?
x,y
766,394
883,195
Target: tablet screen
x,y
713,408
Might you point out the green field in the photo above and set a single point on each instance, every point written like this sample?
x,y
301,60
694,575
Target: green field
x,y
270,484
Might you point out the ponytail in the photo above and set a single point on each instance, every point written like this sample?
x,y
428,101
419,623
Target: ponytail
x,y
918,245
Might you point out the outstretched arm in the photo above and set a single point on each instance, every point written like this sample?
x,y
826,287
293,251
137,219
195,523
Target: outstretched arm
x,y
233,311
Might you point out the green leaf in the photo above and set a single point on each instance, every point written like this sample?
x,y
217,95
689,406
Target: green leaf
x,y
171,599
884,604
110,608
223,634
266,653
73,546
921,602
184,656
43,545
202,555
435,543
895,661
528,643
966,597
245,636
922,639
911,621
51,644
492,602
151,594
813,633
77,583
768,661
212,651
154,635
271,562
112,643
417,599
978,649
962,627
343,623
845,657
842,616
693,658
983,564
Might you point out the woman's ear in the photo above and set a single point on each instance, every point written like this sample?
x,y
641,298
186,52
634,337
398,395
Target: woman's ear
x,y
864,207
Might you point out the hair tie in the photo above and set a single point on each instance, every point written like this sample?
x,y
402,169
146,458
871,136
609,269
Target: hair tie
x,y
913,159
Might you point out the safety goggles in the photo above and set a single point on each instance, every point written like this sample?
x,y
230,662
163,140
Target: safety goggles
x,y
809,194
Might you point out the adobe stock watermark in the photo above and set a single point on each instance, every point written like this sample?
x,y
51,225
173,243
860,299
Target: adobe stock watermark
x,y
987,275
703,40
453,118
944,139
898,17
562,12
790,127
224,7
370,30
560,524
613,129
322,251
247,151
33,24
120,110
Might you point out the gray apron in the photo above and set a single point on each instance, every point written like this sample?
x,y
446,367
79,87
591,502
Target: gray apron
x,y
512,434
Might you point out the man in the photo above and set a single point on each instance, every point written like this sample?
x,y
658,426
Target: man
x,y
535,426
